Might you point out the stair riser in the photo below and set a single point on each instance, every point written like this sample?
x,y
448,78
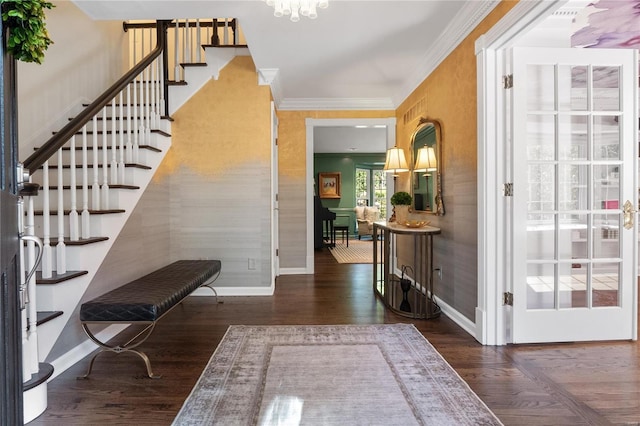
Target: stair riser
x,y
66,153
130,174
99,226
114,199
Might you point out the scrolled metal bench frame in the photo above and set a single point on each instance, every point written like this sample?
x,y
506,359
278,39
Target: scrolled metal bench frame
x,y
131,344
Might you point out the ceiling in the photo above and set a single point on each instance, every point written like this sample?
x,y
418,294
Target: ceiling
x,y
357,54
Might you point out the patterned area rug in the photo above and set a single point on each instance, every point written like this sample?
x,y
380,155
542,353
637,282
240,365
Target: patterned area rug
x,y
357,252
331,375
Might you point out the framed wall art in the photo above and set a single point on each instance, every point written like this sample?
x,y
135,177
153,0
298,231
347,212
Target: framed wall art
x,y
329,185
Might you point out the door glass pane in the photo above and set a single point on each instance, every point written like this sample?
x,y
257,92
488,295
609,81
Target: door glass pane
x,y
541,187
606,236
606,88
540,87
606,284
572,237
541,137
572,137
540,286
606,187
572,87
541,236
606,138
573,285
572,191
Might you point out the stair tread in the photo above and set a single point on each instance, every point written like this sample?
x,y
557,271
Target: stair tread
x,y
90,148
109,132
58,278
45,370
90,166
46,316
81,241
193,64
176,83
66,212
226,46
111,186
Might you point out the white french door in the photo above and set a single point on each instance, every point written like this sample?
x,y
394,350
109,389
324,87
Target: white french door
x,y
574,166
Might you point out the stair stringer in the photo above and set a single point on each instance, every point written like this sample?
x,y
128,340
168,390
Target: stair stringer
x,y
197,76
66,296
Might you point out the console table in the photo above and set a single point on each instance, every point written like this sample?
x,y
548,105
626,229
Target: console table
x,y
406,288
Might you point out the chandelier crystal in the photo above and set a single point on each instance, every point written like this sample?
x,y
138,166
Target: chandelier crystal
x,y
295,8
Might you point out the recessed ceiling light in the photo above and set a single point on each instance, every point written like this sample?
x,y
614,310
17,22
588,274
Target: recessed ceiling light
x,y
361,126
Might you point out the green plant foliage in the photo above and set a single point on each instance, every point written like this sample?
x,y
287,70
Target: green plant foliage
x,y
28,38
401,198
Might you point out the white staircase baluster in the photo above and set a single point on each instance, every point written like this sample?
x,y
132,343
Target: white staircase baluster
x,y
61,249
122,135
184,47
226,31
74,223
143,106
153,79
161,110
198,42
86,216
135,48
105,161
129,148
47,261
147,106
187,44
114,143
136,126
158,71
176,53
95,187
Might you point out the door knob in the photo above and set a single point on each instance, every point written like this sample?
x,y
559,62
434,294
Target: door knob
x,y
628,214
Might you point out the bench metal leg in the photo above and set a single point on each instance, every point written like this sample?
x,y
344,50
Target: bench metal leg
x,y
127,347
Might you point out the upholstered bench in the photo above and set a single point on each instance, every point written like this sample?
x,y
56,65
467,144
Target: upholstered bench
x,y
146,300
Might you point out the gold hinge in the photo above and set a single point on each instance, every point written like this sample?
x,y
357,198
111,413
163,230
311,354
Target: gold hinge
x,y
507,81
507,298
507,189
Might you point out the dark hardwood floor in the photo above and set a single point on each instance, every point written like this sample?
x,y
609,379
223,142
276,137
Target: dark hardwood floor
x,y
559,384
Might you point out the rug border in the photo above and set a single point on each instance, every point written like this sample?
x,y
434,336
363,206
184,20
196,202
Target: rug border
x,y
411,325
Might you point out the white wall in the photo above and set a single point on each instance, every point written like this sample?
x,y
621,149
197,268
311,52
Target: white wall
x,y
85,59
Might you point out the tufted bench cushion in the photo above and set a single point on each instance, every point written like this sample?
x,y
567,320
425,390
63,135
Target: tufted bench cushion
x,y
149,297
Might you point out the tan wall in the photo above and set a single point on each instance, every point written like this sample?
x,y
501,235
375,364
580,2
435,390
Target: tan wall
x,y
292,146
219,171
451,97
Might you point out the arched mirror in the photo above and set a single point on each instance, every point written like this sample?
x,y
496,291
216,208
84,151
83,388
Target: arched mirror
x,y
426,167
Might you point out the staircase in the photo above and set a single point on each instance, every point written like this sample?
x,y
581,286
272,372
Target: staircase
x,y
87,179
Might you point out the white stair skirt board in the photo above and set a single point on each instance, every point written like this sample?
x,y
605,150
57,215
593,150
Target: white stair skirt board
x,y
34,402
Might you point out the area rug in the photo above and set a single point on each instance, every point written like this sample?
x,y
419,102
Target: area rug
x,y
385,374
357,252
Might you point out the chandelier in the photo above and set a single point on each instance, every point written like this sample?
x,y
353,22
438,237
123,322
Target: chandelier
x,y
295,8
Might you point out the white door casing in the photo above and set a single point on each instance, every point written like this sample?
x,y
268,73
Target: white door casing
x,y
275,217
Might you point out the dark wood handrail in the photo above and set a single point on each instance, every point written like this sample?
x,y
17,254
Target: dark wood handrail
x,y
38,158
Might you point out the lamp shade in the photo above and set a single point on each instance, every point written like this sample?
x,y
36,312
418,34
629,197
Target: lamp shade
x,y
426,161
395,162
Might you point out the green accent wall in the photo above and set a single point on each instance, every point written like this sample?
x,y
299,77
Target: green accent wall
x,y
346,165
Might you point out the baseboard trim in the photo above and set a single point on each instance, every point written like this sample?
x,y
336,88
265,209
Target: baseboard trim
x,y
61,364
294,271
464,322
235,291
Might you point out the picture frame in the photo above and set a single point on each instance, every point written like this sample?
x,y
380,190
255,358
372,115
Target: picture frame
x,y
329,185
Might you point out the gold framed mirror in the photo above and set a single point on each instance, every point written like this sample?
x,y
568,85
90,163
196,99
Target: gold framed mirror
x,y
426,167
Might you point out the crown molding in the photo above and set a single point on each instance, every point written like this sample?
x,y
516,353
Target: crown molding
x,y
306,104
271,77
465,21
522,15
